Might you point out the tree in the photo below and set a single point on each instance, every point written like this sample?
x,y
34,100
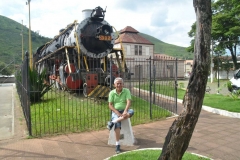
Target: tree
x,y
180,133
191,33
4,69
225,28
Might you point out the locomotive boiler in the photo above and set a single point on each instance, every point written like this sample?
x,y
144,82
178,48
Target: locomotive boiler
x,y
79,57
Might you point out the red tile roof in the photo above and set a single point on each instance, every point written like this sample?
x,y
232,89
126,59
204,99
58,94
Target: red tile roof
x,y
130,35
128,29
163,56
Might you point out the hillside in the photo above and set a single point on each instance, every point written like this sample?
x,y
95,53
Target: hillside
x,y
169,49
11,40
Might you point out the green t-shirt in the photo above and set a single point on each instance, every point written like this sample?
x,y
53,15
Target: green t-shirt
x,y
119,100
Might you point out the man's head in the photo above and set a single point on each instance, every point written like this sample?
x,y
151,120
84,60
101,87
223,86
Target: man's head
x,y
118,83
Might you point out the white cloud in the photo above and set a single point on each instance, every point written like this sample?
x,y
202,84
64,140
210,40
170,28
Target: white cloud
x,y
168,21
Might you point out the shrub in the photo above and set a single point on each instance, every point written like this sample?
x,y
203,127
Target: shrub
x,y
229,86
38,85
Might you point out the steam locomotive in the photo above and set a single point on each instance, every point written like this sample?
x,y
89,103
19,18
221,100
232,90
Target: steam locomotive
x,y
79,57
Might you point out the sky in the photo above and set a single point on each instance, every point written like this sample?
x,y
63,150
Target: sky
x,y
167,20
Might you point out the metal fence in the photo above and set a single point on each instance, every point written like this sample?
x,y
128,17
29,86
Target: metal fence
x,y
22,84
153,85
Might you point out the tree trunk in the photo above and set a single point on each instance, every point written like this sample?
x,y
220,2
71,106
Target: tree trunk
x,y
180,133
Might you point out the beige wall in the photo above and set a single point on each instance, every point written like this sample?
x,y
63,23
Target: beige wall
x,y
131,47
188,66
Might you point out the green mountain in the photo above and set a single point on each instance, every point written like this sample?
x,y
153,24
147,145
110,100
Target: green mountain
x,y
11,40
168,49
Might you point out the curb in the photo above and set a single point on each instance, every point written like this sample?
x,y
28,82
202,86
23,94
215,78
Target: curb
x,y
153,149
206,108
217,111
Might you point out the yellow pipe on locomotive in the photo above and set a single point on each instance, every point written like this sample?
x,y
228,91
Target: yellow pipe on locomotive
x,y
104,64
123,55
85,60
68,63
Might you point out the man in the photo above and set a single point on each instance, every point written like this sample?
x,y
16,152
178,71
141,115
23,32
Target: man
x,y
119,103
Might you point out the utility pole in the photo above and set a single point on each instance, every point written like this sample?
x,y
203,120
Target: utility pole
x,y
212,64
22,40
218,73
30,41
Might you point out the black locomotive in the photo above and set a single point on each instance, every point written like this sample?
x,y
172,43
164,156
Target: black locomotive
x,y
79,57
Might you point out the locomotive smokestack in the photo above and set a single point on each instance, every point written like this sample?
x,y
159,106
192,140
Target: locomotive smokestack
x,y
86,13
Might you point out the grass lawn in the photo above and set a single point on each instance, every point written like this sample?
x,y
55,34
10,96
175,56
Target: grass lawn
x,y
61,112
151,154
219,101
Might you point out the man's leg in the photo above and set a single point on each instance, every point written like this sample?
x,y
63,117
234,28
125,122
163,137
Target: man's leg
x,y
116,119
118,128
117,136
129,115
117,122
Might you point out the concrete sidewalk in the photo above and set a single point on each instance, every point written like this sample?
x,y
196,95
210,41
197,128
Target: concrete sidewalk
x,y
215,136
6,111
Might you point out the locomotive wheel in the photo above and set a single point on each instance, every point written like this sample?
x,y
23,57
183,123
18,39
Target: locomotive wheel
x,y
85,90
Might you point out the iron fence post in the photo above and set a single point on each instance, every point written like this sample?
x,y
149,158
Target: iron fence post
x,y
150,86
176,84
110,70
28,95
139,75
154,82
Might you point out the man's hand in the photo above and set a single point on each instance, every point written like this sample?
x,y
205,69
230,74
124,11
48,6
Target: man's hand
x,y
125,114
119,114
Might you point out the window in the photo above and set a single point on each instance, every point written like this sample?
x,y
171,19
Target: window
x,y
128,50
238,74
147,51
138,50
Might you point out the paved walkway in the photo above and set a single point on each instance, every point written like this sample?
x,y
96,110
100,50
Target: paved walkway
x,y
6,111
215,136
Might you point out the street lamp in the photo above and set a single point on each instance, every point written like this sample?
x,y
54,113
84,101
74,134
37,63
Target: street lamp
x,y
30,41
218,72
212,64
22,40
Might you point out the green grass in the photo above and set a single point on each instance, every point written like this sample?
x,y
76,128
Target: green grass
x,y
151,154
219,101
62,112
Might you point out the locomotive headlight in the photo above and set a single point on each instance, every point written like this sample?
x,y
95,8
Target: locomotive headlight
x,y
104,30
104,33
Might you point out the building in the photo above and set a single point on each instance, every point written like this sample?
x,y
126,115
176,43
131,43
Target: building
x,y
138,50
134,45
188,67
170,64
